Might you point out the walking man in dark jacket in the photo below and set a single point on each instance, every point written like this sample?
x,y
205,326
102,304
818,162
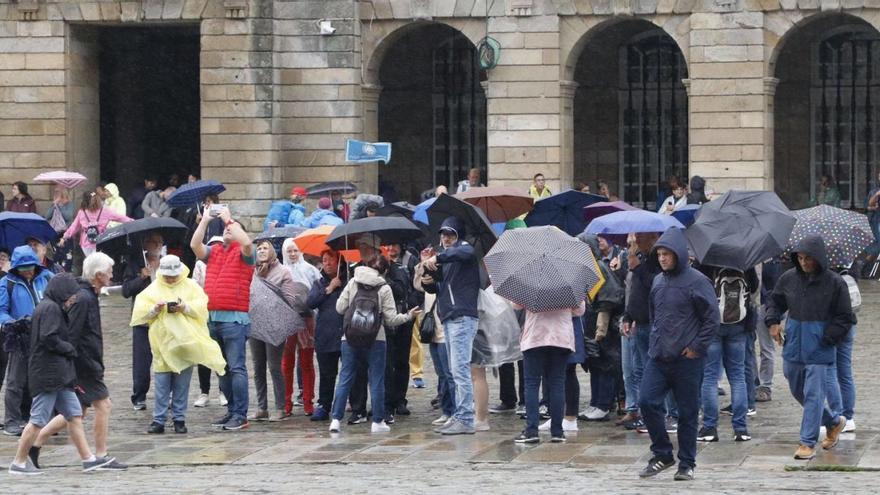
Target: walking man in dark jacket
x,y
454,275
88,341
685,319
52,377
819,317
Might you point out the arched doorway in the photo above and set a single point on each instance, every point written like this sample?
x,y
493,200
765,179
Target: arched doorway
x,y
630,111
432,109
827,110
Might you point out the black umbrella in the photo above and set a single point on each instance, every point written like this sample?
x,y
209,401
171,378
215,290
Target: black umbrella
x,y
740,229
325,188
390,230
123,237
277,236
398,209
478,229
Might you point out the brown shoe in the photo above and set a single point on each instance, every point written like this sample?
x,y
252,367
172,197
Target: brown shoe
x,y
805,453
630,416
832,435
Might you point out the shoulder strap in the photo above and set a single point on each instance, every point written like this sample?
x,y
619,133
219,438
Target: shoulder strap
x,y
274,288
9,286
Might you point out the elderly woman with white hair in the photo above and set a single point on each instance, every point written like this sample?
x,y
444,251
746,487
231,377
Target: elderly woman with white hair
x,y
85,333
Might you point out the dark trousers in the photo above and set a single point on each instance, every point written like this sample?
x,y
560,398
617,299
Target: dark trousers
x,y
683,377
18,397
204,379
572,390
545,364
4,360
603,389
328,369
398,343
141,359
507,378
357,397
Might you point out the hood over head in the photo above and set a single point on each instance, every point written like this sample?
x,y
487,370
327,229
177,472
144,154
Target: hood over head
x,y
285,259
61,287
591,240
698,184
22,256
368,276
113,189
813,246
674,240
454,224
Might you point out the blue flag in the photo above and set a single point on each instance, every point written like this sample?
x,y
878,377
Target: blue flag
x,y
363,152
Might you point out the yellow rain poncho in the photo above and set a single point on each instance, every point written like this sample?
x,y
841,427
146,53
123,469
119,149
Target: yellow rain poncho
x,y
178,340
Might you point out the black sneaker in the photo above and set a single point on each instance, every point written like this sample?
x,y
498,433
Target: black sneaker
x,y
180,427
34,455
656,465
435,403
357,418
671,425
751,411
156,428
236,424
707,434
634,424
527,438
684,474
742,436
557,439
403,410
502,408
222,420
114,465
544,412
728,410
721,391
389,419
139,405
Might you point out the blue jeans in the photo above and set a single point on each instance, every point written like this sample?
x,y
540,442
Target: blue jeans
x,y
730,351
682,378
460,333
173,388
548,364
374,356
751,368
839,383
631,362
807,385
232,338
445,383
643,333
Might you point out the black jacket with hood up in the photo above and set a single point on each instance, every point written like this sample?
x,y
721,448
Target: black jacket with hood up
x,y
85,332
51,366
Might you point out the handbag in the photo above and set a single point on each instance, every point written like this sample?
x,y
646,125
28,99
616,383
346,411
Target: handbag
x,y
428,326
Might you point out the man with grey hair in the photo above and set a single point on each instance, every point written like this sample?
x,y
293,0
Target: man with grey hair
x,y
86,337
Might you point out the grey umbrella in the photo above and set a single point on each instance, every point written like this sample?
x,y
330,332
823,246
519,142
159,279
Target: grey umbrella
x,y
740,229
542,268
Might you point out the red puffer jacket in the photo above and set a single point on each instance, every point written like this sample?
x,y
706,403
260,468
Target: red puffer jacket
x,y
228,279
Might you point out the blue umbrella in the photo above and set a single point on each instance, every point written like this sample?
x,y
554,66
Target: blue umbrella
x,y
616,226
421,213
195,192
15,228
564,210
686,214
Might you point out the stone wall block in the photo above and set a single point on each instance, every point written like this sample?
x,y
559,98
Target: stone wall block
x,y
602,7
173,9
400,9
622,7
152,9
585,7
130,12
852,4
684,6
645,6
564,7
111,11
460,8
827,5
90,11
192,9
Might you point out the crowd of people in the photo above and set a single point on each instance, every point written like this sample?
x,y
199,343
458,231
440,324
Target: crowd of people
x,y
654,339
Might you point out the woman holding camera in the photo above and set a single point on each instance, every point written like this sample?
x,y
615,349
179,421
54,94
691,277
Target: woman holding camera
x,y
176,309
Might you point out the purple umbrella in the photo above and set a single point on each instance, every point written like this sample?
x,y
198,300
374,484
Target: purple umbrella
x,y
616,226
602,208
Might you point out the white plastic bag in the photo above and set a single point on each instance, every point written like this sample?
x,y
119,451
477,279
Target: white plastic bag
x,y
498,332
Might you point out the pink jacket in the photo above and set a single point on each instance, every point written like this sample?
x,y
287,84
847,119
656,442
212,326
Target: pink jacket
x,y
81,223
550,328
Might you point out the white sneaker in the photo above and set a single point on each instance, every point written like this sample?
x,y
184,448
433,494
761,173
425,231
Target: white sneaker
x,y
586,411
334,426
850,426
380,427
223,400
545,426
440,421
276,416
202,401
596,414
481,425
448,422
569,425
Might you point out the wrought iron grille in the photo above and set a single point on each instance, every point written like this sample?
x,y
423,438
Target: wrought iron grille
x,y
459,105
844,112
653,117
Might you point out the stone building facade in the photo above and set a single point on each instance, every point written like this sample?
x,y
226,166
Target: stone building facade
x,y
759,94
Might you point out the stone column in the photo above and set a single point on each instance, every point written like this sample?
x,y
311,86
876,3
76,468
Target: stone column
x,y
770,84
369,172
567,90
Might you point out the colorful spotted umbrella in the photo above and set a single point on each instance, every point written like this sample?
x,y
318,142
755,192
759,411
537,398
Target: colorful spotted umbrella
x,y
543,269
846,233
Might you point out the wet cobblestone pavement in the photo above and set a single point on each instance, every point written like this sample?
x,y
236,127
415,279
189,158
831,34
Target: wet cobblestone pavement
x,y
299,454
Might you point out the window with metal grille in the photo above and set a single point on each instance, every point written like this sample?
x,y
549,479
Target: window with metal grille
x,y
459,105
653,117
845,90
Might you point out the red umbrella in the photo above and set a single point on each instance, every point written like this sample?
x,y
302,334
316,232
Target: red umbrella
x,y
500,203
602,208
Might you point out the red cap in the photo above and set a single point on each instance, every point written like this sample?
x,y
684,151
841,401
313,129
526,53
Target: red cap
x,y
299,191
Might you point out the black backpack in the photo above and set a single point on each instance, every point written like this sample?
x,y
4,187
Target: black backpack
x,y
733,296
363,318
92,231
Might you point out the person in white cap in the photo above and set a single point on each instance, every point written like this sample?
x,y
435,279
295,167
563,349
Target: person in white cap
x,y
176,309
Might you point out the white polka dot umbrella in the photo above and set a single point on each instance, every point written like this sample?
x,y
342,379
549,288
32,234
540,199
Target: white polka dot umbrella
x,y
846,233
542,268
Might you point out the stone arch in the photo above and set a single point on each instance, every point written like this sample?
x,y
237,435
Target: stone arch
x,y
821,125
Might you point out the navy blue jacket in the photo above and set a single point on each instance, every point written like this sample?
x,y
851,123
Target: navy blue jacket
x,y
638,289
818,304
328,324
683,306
457,282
